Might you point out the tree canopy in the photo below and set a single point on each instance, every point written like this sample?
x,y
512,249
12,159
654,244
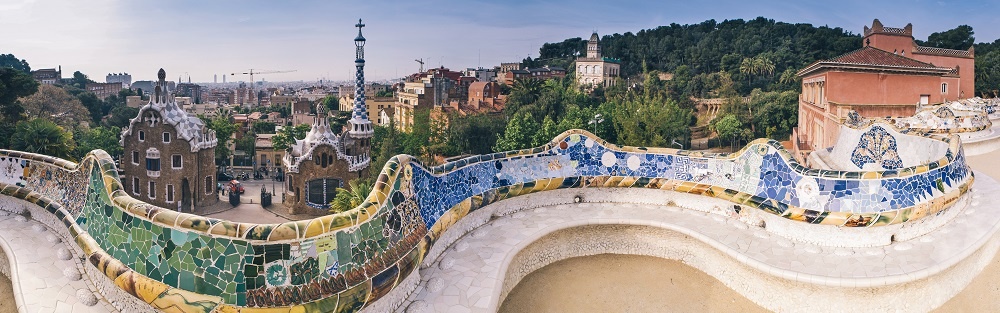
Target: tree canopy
x,y
44,137
958,38
55,104
9,60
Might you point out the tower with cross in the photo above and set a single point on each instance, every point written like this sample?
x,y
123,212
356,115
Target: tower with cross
x,y
361,127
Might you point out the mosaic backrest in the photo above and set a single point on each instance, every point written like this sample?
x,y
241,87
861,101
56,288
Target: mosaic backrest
x,y
946,119
346,261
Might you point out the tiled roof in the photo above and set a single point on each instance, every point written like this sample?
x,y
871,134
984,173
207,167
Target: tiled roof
x,y
942,51
869,58
873,56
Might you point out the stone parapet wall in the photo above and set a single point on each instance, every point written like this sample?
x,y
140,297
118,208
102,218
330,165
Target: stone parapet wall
x,y
347,261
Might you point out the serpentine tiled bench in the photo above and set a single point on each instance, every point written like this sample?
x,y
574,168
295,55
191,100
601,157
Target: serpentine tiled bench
x,y
347,261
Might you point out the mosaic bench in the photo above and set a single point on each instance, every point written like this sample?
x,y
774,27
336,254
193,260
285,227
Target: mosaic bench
x,y
345,262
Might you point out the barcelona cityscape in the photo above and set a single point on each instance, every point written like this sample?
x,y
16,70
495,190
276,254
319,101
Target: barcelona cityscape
x,y
521,156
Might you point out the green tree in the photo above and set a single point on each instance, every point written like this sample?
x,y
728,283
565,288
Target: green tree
x,y
729,128
96,108
519,133
9,60
104,138
332,103
651,123
523,92
546,133
224,129
473,134
14,84
80,80
775,114
121,116
958,38
285,139
55,104
347,199
262,127
988,74
385,144
44,137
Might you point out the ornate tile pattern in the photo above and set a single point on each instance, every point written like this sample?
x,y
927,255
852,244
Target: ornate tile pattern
x,y
345,261
879,147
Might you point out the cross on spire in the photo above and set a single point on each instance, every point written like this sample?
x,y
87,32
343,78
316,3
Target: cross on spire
x,y
359,25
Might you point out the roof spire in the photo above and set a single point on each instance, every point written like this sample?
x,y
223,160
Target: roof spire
x,y
360,125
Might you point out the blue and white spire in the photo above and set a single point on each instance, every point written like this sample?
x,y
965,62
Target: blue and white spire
x,y
361,127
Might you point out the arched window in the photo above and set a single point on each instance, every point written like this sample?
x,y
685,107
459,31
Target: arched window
x,y
208,185
321,191
944,87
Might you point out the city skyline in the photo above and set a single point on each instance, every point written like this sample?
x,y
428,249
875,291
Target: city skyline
x,y
203,39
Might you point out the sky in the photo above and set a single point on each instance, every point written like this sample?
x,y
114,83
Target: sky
x,y
204,38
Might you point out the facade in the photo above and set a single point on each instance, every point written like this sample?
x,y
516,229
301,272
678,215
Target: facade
x,y
317,165
482,74
104,90
48,76
373,104
268,159
147,86
595,69
889,76
190,90
133,101
485,95
547,72
123,78
169,156
509,77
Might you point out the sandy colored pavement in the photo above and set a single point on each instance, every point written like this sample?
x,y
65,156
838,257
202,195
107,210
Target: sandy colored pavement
x,y
6,296
610,283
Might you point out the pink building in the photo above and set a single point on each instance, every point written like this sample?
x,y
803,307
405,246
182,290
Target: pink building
x,y
888,76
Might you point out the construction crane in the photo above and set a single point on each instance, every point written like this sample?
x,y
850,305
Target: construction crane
x,y
421,61
253,72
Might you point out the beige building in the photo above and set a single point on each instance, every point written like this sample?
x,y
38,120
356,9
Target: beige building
x,y
595,69
373,104
415,95
169,156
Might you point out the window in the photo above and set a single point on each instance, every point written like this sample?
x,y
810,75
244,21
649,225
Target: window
x,y
176,161
135,157
135,186
170,193
944,87
153,162
166,137
321,191
208,185
152,190
142,136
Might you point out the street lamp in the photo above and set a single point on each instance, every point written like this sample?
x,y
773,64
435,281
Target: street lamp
x,y
674,142
596,120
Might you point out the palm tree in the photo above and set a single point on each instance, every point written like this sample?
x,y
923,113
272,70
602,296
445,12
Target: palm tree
x,y
747,68
44,137
349,199
763,65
